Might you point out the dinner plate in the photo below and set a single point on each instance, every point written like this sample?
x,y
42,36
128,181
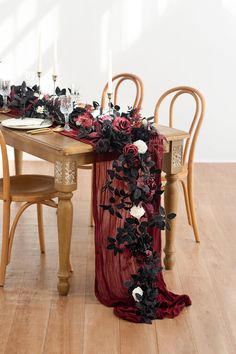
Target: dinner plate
x,y
26,123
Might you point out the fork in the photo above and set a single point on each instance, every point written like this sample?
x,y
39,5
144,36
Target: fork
x,y
45,130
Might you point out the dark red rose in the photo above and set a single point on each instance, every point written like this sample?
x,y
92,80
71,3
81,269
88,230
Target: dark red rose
x,y
85,119
122,124
130,149
136,118
137,123
135,113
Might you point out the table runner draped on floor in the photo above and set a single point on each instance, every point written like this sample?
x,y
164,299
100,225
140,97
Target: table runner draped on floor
x,y
112,271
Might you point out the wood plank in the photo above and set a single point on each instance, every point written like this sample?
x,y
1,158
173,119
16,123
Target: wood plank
x,y
102,330
138,338
175,335
34,319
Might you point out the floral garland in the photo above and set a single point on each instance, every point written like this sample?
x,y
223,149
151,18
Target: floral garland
x,y
129,134
28,102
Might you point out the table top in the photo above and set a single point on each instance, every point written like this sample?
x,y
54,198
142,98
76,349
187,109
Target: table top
x,y
47,145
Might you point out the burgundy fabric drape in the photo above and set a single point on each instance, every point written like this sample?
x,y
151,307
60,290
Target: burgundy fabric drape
x,y
112,271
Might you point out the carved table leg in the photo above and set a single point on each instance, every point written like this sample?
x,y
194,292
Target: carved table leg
x,y
171,202
18,161
65,182
64,223
172,165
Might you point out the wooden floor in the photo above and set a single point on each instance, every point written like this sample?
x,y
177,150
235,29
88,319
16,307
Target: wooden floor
x,y
35,320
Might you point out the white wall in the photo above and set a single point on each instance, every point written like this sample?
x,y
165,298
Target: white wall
x,y
165,42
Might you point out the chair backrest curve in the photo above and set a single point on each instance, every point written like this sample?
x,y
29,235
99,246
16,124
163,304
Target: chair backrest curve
x,y
5,169
120,78
195,126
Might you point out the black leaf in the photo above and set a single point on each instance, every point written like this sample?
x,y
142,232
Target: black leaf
x,y
112,200
105,207
122,193
167,226
132,221
162,211
118,215
120,205
111,210
171,216
117,193
117,108
95,104
128,283
134,172
111,173
114,163
137,193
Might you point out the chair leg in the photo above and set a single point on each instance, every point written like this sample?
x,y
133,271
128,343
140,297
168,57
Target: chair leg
x,y
192,205
13,228
40,227
5,241
186,199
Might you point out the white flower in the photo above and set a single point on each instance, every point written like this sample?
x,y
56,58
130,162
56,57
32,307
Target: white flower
x,y
141,145
36,94
40,109
145,122
137,211
139,291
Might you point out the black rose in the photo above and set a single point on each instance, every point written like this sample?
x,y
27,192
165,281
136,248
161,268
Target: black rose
x,y
119,140
107,128
140,134
103,145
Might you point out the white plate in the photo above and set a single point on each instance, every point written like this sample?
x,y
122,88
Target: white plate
x,y
26,123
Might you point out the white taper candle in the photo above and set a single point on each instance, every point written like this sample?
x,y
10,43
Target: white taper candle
x,y
39,69
109,90
55,58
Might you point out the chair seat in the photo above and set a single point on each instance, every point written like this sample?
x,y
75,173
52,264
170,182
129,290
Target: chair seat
x,y
29,188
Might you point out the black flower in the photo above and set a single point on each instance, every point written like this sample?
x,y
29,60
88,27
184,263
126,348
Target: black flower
x,y
140,134
119,140
103,145
107,128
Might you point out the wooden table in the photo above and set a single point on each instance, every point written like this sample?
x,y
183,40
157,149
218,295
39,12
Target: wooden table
x,y
66,154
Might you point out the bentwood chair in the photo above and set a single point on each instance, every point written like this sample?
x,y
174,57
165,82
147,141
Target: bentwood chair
x,y
137,102
118,80
29,189
186,177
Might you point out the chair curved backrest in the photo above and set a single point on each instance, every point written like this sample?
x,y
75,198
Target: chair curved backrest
x,y
118,81
5,169
189,149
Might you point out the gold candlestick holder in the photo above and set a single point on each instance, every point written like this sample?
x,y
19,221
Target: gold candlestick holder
x,y
39,73
109,95
54,77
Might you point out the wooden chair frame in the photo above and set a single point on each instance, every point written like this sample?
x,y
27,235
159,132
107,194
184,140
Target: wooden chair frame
x,y
27,199
190,145
121,78
137,104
